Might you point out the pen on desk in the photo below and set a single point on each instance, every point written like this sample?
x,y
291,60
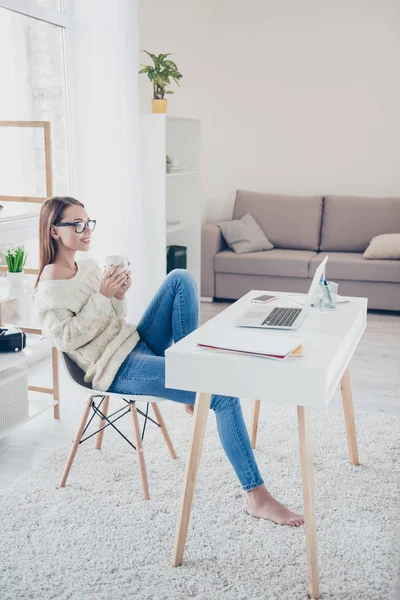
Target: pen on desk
x,y
328,292
322,281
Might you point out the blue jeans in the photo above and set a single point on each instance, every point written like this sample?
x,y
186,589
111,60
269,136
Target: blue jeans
x,y
171,315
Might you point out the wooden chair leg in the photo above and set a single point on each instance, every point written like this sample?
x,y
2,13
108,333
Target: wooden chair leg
x,y
307,472
56,383
75,445
348,409
102,422
254,421
139,449
163,428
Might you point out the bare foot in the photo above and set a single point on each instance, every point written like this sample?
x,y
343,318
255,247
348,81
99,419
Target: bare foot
x,y
263,506
189,408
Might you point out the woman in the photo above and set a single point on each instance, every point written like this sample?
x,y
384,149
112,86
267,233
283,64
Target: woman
x,y
82,312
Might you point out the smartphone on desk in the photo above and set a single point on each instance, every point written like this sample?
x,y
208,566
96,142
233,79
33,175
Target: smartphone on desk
x,y
263,299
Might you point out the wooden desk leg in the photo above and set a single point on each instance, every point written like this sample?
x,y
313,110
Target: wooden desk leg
x,y
348,409
307,472
254,422
56,388
201,409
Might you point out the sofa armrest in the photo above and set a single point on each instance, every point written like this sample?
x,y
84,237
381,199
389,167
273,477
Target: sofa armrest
x,y
212,242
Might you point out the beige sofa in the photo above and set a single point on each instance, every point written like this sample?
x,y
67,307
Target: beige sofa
x,y
303,230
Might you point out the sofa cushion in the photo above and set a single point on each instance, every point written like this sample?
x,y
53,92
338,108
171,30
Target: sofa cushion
x,y
353,267
385,246
350,222
244,235
282,263
292,222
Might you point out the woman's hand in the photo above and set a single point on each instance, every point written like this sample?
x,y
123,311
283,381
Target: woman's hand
x,y
120,294
112,281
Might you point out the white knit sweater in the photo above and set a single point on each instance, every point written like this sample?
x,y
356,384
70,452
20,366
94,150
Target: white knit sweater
x,y
88,326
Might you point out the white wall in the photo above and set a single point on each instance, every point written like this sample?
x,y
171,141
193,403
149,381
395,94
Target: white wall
x,y
105,132
295,97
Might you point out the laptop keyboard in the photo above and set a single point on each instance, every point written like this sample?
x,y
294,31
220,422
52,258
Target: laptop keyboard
x,y
284,317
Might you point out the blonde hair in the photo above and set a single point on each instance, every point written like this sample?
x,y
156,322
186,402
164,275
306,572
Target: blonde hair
x,y
51,212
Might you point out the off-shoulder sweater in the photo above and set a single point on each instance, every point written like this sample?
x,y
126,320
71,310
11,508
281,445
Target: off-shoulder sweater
x,y
91,328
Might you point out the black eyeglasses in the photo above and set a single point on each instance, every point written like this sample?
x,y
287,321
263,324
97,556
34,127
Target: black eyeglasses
x,y
80,226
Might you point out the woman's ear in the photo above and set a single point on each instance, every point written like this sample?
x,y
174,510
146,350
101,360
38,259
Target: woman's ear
x,y
53,232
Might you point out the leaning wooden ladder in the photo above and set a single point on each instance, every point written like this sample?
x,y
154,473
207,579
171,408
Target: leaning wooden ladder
x,y
46,126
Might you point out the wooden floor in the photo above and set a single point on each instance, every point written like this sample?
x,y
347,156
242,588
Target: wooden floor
x,y
375,374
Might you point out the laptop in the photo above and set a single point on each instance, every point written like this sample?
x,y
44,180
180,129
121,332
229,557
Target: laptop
x,y
282,317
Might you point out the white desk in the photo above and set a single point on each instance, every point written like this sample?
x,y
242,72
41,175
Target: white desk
x,y
329,340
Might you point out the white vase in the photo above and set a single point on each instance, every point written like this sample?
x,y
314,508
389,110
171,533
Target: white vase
x,y
16,280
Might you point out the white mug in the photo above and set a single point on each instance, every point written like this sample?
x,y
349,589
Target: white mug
x,y
117,259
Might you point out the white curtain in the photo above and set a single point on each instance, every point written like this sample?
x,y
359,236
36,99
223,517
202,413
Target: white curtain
x,y
102,55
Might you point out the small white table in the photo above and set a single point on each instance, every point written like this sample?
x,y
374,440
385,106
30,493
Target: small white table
x,y
329,341
37,347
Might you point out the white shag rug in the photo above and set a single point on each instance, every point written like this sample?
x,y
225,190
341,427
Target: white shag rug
x,y
98,539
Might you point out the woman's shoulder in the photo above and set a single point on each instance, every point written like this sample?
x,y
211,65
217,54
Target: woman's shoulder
x,y
54,272
55,285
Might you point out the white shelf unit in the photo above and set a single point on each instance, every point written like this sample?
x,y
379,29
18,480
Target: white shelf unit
x,y
38,350
38,355
181,173
171,201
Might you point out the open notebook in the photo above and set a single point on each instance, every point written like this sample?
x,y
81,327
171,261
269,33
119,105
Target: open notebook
x,y
270,344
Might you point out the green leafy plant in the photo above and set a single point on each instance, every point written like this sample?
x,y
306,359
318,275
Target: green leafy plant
x,y
161,73
16,258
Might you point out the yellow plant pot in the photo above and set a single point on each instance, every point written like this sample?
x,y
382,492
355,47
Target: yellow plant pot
x,y
159,106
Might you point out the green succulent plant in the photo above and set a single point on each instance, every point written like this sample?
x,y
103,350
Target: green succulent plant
x,y
15,258
161,73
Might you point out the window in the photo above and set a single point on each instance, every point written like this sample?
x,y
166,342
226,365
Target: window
x,y
32,74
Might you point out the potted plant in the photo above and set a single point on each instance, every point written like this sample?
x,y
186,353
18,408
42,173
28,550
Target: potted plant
x,y
160,74
15,258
